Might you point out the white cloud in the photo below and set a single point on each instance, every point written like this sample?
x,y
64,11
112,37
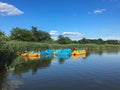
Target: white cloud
x,y
97,11
111,37
73,35
8,10
77,34
53,32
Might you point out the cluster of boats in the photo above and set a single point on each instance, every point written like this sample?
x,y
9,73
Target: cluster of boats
x,y
59,52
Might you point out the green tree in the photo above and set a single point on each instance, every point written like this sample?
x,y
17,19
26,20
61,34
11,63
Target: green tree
x,y
35,33
22,34
100,41
63,40
3,38
96,41
112,42
83,41
1,33
40,35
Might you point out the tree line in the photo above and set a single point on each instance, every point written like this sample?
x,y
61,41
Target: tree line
x,y
35,35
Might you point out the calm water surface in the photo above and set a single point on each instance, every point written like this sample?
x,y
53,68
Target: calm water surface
x,y
96,71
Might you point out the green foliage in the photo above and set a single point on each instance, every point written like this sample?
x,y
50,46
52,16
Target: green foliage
x,y
3,38
2,33
83,41
98,41
29,35
113,42
20,46
40,35
22,34
6,58
63,40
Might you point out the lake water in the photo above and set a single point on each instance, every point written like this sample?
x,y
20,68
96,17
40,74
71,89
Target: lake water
x,y
99,70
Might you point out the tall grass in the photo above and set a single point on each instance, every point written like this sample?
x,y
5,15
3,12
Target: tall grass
x,y
20,46
85,46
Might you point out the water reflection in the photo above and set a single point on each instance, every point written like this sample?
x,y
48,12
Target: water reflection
x,y
3,76
30,58
34,64
9,81
113,51
25,64
12,84
76,57
101,52
64,57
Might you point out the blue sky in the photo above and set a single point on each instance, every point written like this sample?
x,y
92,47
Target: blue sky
x,y
73,18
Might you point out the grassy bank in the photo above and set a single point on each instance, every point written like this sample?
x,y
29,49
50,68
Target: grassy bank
x,y
21,46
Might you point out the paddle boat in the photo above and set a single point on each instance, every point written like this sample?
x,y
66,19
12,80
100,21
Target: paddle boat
x,y
78,52
42,52
24,54
63,52
50,51
78,56
34,54
31,54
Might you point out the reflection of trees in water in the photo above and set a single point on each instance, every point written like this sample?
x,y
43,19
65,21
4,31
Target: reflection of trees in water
x,y
3,76
100,52
114,51
9,83
61,61
33,65
62,58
